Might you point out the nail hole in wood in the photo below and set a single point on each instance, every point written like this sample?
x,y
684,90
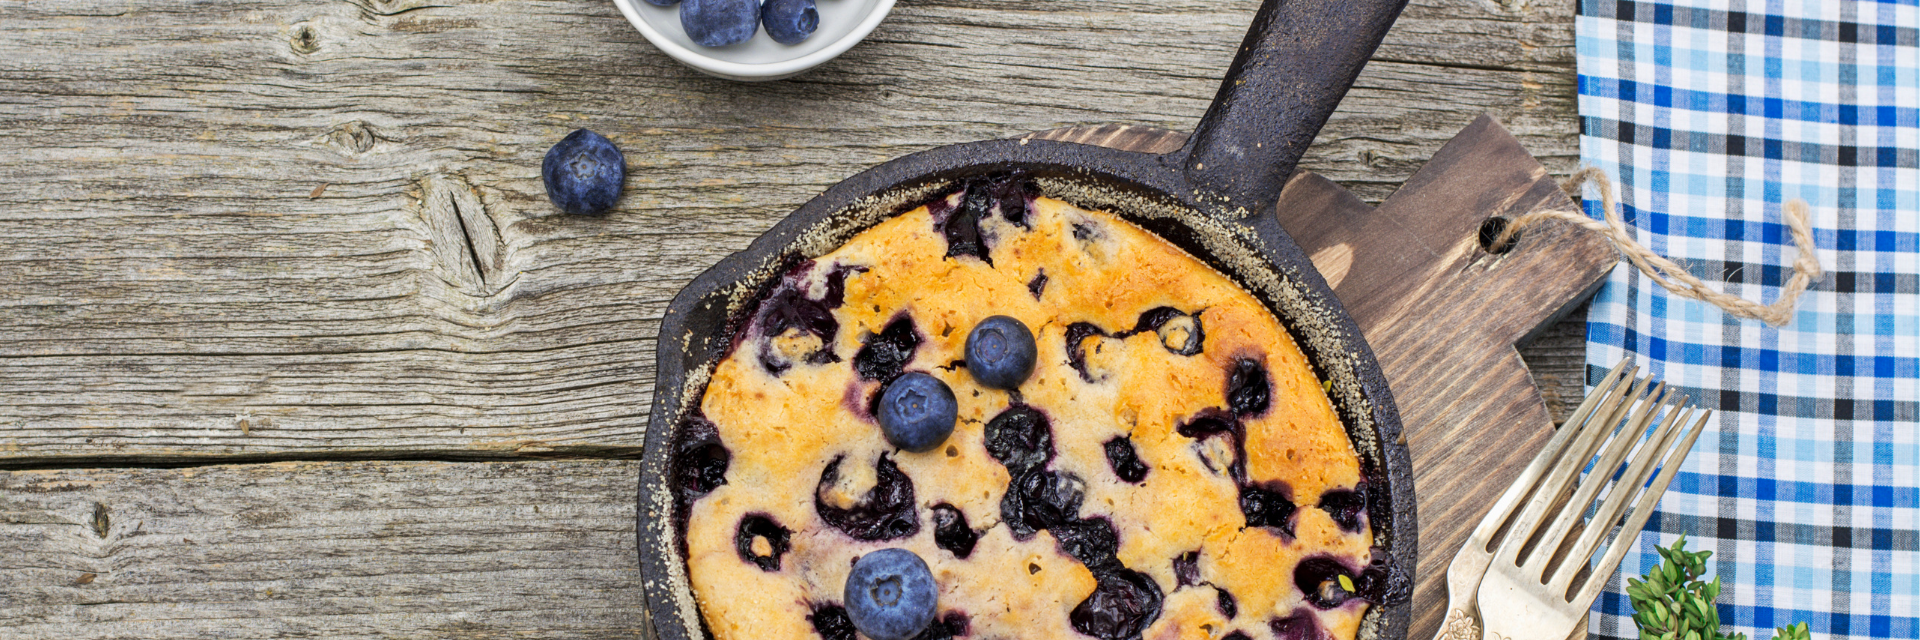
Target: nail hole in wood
x,y
1490,231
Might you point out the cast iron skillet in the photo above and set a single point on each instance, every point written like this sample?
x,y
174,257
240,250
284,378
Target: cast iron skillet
x,y
1214,198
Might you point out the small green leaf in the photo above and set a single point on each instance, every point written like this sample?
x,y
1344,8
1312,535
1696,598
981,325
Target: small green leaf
x,y
1346,583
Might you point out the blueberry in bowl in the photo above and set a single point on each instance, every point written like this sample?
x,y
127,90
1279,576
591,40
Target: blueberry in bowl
x,y
718,23
794,39
790,21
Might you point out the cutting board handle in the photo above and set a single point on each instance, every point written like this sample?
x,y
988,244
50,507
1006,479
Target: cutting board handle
x,y
1297,61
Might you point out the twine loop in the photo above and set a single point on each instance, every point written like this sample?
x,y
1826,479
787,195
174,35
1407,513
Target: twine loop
x,y
1671,276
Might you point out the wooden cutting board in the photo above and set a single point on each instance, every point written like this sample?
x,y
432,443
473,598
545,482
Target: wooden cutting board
x,y
1442,314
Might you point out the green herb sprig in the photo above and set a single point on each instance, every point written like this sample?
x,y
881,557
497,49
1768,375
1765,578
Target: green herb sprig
x,y
1671,603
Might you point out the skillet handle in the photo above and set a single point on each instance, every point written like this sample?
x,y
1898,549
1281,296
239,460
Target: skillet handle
x,y
1297,61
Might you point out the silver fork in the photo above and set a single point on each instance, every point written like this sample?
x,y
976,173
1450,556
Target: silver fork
x,y
1470,564
1530,585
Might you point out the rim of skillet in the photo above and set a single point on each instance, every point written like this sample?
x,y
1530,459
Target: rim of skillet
x,y
1247,244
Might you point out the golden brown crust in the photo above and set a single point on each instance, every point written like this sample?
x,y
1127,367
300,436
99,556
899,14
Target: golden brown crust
x,y
782,430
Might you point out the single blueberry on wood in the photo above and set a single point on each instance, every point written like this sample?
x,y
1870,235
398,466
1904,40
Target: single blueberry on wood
x,y
890,595
1001,352
718,23
789,21
583,173
917,412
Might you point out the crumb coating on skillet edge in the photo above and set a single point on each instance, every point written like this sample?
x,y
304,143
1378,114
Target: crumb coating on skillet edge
x,y
789,410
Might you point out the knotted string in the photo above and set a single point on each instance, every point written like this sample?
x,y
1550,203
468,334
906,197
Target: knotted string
x,y
1666,273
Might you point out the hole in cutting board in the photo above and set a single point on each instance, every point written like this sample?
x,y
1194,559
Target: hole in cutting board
x,y
1490,230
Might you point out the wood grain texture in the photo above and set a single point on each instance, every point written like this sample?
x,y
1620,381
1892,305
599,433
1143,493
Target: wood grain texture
x,y
322,550
283,230
1441,313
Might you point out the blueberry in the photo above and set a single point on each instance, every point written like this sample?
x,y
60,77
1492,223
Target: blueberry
x,y
917,412
663,3
1123,603
950,531
718,23
883,355
886,512
890,595
1248,391
584,173
1266,507
1000,352
789,21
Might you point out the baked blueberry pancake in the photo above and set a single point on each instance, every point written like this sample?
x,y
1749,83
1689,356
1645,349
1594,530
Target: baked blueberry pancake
x,y
1000,416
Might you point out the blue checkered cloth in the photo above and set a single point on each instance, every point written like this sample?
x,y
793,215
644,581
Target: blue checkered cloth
x,y
1711,115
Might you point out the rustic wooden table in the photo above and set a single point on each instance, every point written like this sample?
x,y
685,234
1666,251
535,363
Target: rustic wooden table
x,y
291,343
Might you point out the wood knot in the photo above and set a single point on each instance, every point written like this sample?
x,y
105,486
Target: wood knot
x,y
462,235
356,137
102,520
390,8
305,40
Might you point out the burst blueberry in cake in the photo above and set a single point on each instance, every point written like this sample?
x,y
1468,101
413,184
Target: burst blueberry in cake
x,y
1081,430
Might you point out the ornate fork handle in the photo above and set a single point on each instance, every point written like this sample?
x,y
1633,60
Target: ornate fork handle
x,y
1459,625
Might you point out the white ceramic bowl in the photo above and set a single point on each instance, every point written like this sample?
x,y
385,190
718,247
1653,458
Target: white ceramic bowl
x,y
843,23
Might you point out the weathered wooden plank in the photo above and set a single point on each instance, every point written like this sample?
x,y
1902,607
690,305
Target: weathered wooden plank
x,y
322,550
174,282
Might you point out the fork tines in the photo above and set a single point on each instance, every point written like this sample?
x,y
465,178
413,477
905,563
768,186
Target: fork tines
x,y
1548,542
